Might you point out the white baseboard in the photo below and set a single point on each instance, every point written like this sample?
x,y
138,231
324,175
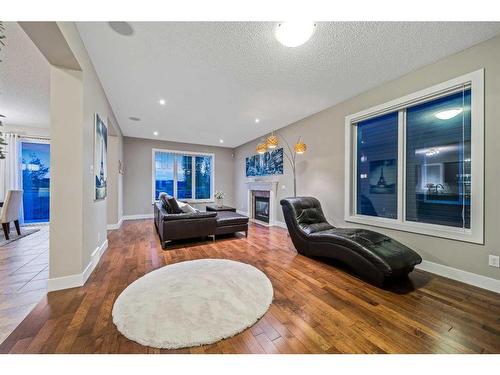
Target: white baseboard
x,y
138,217
94,260
460,275
115,226
65,282
73,281
280,224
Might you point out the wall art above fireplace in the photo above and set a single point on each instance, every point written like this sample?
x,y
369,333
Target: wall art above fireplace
x,y
266,164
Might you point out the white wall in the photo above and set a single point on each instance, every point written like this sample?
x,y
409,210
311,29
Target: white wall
x,y
66,177
320,172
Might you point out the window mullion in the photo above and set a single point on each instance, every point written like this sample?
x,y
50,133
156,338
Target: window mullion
x,y
401,164
193,177
175,175
354,169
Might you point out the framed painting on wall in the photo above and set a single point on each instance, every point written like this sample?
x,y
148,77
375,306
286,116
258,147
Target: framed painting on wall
x,y
100,158
267,164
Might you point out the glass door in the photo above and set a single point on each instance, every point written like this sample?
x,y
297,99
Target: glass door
x,y
35,169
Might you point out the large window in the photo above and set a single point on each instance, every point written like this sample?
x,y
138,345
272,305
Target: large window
x,y
416,163
35,168
186,176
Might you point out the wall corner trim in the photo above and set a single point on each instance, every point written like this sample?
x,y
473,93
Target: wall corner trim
x,y
79,279
116,225
460,275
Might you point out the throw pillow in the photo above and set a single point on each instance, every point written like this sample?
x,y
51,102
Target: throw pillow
x,y
173,205
186,208
163,198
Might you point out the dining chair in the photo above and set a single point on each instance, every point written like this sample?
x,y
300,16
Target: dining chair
x,y
10,211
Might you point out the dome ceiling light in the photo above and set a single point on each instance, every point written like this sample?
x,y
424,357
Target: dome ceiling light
x,y
294,34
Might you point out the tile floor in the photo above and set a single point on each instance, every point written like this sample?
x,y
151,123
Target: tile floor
x,y
24,270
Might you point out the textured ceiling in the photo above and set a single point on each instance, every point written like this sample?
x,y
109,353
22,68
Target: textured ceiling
x,y
218,77
24,81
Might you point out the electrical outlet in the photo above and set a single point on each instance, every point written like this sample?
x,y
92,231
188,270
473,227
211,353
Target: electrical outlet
x,y
494,261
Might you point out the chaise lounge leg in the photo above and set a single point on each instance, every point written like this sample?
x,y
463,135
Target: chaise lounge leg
x,y
18,228
5,227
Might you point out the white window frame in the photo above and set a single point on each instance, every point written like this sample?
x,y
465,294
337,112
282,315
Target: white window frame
x,y
193,154
476,233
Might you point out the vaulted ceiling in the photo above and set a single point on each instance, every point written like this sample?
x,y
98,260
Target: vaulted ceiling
x,y
217,77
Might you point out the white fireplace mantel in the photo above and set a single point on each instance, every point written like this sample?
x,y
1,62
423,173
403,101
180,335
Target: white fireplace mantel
x,y
269,186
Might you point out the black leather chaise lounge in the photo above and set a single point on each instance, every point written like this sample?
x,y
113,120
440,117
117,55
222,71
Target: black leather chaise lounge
x,y
373,256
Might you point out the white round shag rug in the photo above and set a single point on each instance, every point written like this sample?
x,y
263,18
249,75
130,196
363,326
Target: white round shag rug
x,y
192,303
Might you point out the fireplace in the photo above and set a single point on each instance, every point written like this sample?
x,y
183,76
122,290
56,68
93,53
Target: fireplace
x,y
261,209
261,198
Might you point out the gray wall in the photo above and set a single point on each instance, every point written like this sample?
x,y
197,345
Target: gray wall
x,y
137,181
321,170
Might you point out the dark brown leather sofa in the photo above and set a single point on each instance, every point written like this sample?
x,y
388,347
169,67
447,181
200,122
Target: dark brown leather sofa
x,y
371,255
197,224
185,225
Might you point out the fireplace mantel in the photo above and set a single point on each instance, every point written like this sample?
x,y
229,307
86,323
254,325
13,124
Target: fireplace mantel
x,y
272,188
262,185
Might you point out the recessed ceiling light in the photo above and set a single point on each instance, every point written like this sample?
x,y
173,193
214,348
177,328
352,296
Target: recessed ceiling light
x,y
294,34
122,28
221,141
133,118
162,102
155,133
449,113
257,120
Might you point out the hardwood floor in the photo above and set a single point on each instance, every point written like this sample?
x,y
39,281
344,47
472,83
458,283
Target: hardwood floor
x,y
24,272
317,308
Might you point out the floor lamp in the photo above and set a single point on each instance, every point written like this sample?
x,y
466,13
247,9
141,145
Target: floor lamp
x,y
299,148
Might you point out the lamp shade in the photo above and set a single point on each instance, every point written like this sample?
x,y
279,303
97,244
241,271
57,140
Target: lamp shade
x,y
272,141
261,148
300,147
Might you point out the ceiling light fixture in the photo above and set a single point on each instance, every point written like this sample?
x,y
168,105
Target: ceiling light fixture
x,y
162,102
155,133
294,34
449,113
221,141
257,120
